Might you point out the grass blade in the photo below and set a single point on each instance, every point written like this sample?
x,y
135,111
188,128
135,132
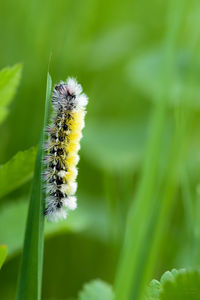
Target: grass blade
x,y
32,259
129,280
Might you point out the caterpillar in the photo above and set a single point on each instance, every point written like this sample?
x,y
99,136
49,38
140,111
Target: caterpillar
x,y
62,146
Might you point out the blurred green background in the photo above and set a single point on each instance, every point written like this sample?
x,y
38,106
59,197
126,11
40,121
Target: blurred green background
x,y
115,50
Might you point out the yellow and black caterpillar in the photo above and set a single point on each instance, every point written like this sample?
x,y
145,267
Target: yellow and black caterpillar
x,y
64,134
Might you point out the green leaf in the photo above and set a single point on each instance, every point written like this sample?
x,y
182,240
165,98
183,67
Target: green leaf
x,y
14,215
9,80
88,218
32,259
17,171
169,275
175,285
3,253
96,290
153,290
183,285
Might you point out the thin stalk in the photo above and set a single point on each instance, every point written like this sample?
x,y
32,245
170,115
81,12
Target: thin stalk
x,y
30,280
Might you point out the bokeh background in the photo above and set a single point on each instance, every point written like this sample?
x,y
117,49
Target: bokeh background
x,y
114,49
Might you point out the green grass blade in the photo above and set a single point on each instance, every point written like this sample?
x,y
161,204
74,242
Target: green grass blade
x,y
32,259
3,253
176,162
17,171
129,281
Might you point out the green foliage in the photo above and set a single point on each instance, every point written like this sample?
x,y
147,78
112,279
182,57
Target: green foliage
x,y
139,157
96,290
14,215
144,224
121,153
32,259
9,81
3,253
153,290
182,285
175,285
146,70
17,171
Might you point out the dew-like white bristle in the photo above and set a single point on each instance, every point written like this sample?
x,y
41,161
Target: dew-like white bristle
x,y
70,203
57,215
82,100
74,87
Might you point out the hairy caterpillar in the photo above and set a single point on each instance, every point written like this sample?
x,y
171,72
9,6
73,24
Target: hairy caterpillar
x,y
62,146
